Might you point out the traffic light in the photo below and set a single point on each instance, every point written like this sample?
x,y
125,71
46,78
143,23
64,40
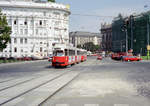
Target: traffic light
x,y
125,25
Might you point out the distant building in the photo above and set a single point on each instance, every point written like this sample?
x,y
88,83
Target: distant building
x,y
106,31
118,35
138,33
80,38
36,25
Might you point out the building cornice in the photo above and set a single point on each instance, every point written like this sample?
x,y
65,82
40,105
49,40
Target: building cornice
x,y
34,5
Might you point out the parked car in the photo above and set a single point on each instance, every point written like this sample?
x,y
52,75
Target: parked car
x,y
116,56
27,58
119,56
99,58
94,54
3,58
20,59
131,58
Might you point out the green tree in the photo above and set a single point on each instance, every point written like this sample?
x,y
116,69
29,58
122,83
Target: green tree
x,y
51,0
91,47
5,32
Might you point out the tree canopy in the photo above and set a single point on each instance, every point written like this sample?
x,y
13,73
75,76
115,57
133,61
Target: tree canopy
x,y
5,32
51,0
90,47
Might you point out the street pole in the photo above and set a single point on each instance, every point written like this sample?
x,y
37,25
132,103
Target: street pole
x,y
131,18
121,45
126,40
148,37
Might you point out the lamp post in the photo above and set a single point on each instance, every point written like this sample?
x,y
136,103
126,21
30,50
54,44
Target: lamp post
x,y
124,29
131,25
147,37
121,45
126,34
126,40
146,6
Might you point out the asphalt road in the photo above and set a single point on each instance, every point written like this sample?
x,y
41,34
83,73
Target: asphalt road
x,y
99,83
23,69
107,83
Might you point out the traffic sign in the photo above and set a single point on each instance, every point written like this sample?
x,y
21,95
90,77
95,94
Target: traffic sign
x,y
148,47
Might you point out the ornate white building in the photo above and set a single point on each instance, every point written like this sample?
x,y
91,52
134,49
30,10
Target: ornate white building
x,y
35,26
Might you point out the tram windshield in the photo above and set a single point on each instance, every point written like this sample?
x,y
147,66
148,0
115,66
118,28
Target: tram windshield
x,y
59,53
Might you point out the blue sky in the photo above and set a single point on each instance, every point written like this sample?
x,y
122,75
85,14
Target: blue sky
x,y
102,8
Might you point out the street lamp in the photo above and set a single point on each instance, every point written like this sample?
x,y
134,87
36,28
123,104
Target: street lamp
x,y
146,6
121,45
147,36
124,29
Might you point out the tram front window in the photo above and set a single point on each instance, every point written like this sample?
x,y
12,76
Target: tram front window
x,y
59,53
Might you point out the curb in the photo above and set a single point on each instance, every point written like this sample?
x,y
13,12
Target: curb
x,y
145,60
23,62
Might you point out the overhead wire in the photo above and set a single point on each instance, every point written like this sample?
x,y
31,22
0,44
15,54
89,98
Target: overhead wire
x,y
92,15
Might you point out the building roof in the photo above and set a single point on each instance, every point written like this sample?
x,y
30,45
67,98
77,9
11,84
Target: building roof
x,y
84,34
33,4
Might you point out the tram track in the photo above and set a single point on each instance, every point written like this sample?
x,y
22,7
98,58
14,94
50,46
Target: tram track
x,y
38,96
13,96
6,80
18,81
8,99
57,91
42,103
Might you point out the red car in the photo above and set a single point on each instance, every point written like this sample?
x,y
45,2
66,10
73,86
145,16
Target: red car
x,y
27,59
94,54
99,58
131,58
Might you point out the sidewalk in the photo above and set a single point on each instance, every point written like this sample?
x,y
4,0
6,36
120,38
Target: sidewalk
x,y
145,60
22,62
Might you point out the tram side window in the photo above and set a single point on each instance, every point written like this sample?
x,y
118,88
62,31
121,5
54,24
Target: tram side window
x,y
78,52
71,52
66,52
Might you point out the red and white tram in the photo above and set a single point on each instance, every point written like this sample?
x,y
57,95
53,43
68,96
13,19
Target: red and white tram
x,y
66,54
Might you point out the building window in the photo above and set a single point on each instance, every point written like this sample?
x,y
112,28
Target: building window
x,y
36,31
25,23
41,49
26,41
9,22
31,22
44,22
21,31
21,40
40,22
26,31
56,14
44,13
15,49
21,50
15,40
15,22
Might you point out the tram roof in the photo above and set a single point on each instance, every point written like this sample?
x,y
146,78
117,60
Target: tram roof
x,y
64,46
